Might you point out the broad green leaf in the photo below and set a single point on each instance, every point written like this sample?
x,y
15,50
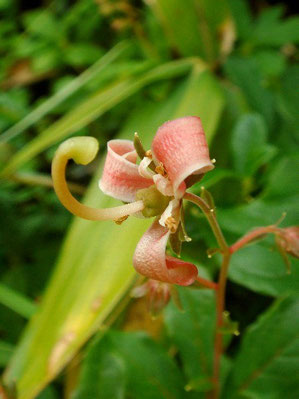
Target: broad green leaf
x,y
262,269
199,22
92,108
272,31
249,144
242,17
192,332
94,268
270,62
244,72
288,97
197,103
211,178
266,365
281,194
283,180
103,373
131,365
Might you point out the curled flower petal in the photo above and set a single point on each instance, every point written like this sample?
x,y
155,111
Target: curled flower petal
x,y
150,259
120,178
143,168
181,146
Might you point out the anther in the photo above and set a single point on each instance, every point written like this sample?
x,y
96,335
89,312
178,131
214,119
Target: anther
x,y
160,170
171,224
213,160
149,154
121,220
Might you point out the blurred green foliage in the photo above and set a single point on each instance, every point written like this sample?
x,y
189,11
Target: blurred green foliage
x,y
107,68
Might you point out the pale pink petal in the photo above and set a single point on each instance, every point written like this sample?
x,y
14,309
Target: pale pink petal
x,y
163,185
120,177
143,168
173,209
181,146
150,259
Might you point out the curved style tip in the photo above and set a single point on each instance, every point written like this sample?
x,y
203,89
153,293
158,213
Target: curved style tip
x,y
81,149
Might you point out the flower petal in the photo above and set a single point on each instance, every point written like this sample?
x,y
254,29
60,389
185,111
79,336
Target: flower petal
x,y
143,168
120,177
163,185
150,259
182,148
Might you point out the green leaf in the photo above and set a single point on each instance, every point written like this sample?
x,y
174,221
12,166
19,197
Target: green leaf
x,y
103,373
196,102
128,365
283,179
288,97
245,73
266,365
199,22
17,302
270,62
192,332
43,23
249,144
82,54
6,351
262,269
271,31
242,17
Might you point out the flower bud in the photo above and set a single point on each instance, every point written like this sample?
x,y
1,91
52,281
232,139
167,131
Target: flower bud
x,y
288,239
157,293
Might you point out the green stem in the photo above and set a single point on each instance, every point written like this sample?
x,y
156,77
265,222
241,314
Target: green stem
x,y
221,286
210,215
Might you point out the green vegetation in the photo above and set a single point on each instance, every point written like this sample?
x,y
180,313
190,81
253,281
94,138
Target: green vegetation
x,y
108,68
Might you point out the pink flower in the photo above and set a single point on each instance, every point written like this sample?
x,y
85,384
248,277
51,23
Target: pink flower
x,y
155,187
179,150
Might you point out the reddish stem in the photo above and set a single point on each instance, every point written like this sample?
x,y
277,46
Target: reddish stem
x,y
207,283
260,231
220,286
220,306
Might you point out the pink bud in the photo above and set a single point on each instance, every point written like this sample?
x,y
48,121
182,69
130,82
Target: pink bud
x,y
288,239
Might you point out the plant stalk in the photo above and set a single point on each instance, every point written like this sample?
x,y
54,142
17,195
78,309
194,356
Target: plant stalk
x,y
221,286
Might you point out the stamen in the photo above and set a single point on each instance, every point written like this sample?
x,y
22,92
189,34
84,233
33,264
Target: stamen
x,y
121,220
171,224
213,160
149,154
160,169
83,150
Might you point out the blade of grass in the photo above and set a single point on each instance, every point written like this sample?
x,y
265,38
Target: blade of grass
x,y
92,108
64,93
17,302
6,351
